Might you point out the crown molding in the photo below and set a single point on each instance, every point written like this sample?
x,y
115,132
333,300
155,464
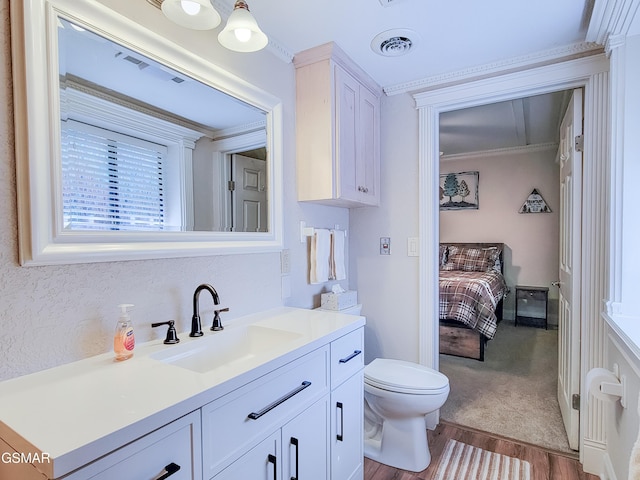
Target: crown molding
x,y
513,64
540,147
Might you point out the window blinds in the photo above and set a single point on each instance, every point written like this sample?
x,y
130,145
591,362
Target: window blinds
x,y
111,181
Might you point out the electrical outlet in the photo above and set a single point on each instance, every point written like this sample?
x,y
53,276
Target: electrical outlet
x,y
385,246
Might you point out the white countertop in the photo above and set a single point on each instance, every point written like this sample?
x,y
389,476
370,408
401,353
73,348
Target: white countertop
x,y
83,410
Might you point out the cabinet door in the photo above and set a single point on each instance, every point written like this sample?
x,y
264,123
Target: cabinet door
x,y
347,118
347,435
305,444
262,462
368,153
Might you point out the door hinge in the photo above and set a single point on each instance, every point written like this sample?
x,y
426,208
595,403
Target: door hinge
x,y
231,186
575,401
579,143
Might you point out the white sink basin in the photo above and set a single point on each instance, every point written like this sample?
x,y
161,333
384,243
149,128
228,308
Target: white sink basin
x,y
227,348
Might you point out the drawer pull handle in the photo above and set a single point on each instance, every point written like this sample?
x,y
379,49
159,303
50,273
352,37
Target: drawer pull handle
x,y
274,460
340,436
170,470
350,357
294,442
271,406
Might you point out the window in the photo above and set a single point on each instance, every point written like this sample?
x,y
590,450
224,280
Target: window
x,y
111,181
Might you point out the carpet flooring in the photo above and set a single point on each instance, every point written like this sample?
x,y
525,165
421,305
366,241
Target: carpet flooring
x,y
513,392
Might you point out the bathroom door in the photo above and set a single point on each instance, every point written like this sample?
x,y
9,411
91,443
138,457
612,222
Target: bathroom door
x,y
570,263
249,194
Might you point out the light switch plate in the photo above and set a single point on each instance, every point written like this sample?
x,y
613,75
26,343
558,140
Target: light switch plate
x,y
285,261
412,246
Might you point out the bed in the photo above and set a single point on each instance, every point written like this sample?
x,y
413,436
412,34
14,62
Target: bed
x,y
472,288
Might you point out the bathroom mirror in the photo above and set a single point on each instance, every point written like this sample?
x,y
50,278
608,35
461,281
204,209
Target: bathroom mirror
x,y
129,147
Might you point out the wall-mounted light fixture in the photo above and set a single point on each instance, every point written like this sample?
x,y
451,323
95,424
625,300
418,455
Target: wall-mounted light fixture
x,y
241,34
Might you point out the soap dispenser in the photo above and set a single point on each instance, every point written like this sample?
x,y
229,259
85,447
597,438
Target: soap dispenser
x,y
124,340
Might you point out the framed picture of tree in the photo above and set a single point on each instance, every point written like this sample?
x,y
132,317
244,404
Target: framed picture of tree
x,y
459,191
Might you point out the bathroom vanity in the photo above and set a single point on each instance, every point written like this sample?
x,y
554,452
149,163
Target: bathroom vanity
x,y
275,395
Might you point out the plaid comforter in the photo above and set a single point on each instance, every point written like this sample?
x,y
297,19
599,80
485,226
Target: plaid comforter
x,y
471,298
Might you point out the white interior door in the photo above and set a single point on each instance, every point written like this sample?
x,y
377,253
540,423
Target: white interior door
x,y
249,194
569,284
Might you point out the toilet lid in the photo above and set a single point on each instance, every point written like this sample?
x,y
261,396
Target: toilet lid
x,y
401,376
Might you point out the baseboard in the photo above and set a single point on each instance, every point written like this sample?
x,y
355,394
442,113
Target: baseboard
x,y
607,472
594,459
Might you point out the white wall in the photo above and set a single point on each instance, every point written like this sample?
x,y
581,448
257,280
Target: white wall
x,y
623,342
53,315
531,240
388,285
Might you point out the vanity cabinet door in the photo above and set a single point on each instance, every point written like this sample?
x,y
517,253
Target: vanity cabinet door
x,y
262,462
171,452
347,429
305,446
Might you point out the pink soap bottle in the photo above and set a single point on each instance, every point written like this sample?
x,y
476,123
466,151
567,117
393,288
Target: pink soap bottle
x,y
123,339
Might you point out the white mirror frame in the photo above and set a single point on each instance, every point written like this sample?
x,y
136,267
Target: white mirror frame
x,y
37,142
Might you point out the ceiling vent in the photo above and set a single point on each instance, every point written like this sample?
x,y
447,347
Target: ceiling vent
x,y
394,43
384,3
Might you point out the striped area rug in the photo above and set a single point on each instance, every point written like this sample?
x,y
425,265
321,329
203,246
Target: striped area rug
x,y
460,461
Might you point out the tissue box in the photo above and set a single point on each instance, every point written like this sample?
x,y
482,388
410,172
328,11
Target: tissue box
x,y
338,301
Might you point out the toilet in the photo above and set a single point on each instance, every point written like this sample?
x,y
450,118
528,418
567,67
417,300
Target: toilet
x,y
397,396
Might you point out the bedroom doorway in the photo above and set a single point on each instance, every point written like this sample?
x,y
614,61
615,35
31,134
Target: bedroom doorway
x,y
590,75
514,391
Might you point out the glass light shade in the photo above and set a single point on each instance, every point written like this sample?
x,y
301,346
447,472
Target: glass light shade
x,y
202,17
242,33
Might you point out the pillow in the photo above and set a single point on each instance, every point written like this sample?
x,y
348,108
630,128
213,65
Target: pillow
x,y
442,255
471,259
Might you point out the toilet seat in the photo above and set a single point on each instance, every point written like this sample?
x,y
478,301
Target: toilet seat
x,y
405,377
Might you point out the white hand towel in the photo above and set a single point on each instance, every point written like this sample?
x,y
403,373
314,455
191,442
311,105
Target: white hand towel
x,y
338,269
320,253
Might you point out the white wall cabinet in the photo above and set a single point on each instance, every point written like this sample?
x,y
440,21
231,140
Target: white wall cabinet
x,y
337,129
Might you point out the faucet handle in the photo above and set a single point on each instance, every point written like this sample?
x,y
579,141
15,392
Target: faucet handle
x,y
217,322
172,336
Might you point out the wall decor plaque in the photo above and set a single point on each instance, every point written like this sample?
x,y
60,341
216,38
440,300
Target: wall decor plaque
x,y
534,204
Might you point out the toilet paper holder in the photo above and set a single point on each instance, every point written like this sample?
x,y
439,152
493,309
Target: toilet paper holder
x,y
613,389
612,384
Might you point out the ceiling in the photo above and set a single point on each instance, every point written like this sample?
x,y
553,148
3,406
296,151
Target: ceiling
x,y
511,124
447,38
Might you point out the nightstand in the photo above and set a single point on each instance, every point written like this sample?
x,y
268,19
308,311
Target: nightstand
x,y
531,306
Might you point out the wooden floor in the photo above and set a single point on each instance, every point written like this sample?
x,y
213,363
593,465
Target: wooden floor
x,y
545,464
